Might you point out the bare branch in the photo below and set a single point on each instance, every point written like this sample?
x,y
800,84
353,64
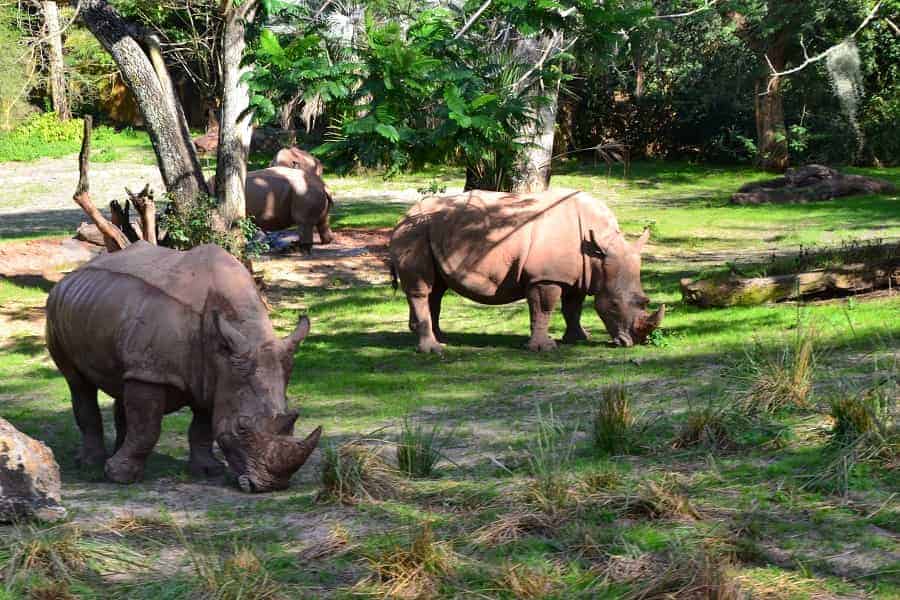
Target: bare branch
x,y
808,60
114,238
472,20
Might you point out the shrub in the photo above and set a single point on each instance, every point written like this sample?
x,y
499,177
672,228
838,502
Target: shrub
x,y
614,422
354,472
419,449
194,225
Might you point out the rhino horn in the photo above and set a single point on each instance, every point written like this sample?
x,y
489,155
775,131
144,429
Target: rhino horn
x,y
656,319
642,241
293,340
299,451
234,340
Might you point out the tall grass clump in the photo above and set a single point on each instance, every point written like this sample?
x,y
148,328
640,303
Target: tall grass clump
x,y
413,571
355,472
708,427
614,423
548,454
865,431
239,575
419,448
779,379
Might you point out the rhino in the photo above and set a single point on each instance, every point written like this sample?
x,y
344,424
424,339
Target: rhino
x,y
280,197
497,248
295,158
159,329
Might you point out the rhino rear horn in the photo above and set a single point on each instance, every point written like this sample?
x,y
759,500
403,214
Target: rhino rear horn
x,y
234,340
656,319
642,241
293,340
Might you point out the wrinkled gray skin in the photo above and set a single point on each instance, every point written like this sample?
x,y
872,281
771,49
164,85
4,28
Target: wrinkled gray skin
x,y
158,330
295,158
496,248
282,197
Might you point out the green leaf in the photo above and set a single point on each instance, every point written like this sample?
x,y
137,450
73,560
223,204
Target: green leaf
x,y
388,131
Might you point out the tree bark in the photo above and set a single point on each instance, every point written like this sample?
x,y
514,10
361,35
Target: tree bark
x,y
236,123
771,133
533,167
149,82
57,67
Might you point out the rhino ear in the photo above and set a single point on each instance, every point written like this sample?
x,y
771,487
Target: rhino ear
x,y
233,339
293,340
642,241
591,247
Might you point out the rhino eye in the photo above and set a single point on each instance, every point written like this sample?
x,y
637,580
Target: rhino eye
x,y
641,301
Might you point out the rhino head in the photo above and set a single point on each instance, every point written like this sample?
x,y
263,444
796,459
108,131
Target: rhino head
x,y
619,299
253,427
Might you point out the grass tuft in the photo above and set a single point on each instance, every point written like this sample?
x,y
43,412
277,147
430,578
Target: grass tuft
x,y
548,455
511,527
355,472
708,427
419,449
57,552
780,379
238,576
660,500
526,582
614,422
411,572
51,590
338,543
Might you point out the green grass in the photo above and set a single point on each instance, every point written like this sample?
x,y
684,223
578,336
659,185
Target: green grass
x,y
357,373
107,144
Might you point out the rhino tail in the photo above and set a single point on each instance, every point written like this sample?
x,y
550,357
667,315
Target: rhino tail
x,y
330,196
395,282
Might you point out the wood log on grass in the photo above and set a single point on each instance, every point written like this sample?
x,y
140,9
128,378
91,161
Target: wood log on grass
x,y
734,291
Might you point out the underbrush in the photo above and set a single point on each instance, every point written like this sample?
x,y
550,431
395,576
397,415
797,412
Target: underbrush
x,y
45,136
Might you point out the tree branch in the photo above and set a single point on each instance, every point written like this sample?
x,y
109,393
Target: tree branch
x,y
808,60
707,6
114,238
472,20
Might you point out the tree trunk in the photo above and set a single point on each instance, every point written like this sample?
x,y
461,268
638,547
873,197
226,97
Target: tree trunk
x,y
771,134
532,170
149,82
57,67
236,123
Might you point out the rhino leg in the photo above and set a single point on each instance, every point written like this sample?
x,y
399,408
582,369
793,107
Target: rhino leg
x,y
542,299
144,406
200,435
420,315
121,423
324,229
434,307
305,231
572,303
88,418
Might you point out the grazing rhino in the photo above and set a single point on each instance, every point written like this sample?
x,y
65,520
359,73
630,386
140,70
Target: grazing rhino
x,y
295,158
496,248
158,330
279,197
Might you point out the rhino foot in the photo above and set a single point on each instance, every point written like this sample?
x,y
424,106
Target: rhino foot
x,y
440,336
91,457
124,470
572,337
428,346
206,468
541,345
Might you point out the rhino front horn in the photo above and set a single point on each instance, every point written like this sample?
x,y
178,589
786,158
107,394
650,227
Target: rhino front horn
x,y
302,450
656,319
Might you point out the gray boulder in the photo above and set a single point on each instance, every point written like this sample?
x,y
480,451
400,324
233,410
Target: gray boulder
x,y
29,478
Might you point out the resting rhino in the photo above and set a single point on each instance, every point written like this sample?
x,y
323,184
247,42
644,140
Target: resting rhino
x,y
295,158
158,330
496,248
279,197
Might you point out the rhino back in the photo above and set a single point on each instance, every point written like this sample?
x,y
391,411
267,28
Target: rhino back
x,y
491,245
279,197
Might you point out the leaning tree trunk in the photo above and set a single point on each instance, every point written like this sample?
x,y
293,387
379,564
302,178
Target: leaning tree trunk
x,y
236,123
57,67
532,169
147,79
771,134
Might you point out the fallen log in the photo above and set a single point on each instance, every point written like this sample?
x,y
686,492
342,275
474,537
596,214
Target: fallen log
x,y
809,184
735,291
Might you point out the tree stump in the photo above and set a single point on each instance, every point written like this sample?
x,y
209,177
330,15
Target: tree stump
x,y
809,184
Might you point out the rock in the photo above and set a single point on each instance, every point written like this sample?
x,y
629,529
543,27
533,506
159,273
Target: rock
x,y
808,184
29,478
